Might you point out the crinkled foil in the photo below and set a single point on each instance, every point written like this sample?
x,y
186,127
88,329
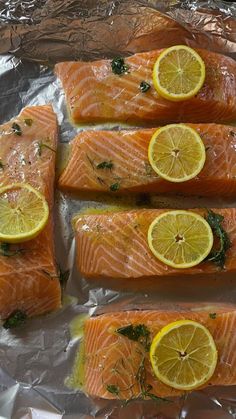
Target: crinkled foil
x,y
34,34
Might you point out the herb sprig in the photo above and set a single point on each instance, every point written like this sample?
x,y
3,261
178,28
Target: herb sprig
x,y
218,256
140,333
144,387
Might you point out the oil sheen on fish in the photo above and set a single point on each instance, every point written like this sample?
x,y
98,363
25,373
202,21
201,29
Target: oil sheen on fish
x,y
28,273
95,94
100,159
114,245
113,362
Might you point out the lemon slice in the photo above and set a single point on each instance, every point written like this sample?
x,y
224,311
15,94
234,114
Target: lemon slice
x,y
176,152
183,355
180,239
178,73
23,213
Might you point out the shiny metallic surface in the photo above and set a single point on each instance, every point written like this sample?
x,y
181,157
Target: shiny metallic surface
x,y
36,359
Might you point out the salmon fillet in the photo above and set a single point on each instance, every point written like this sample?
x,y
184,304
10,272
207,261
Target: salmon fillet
x,y
113,359
95,94
28,272
100,159
115,245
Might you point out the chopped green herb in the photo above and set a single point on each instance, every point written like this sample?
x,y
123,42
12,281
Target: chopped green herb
x,y
16,319
1,165
16,129
114,187
5,250
105,165
133,332
218,256
118,66
113,389
139,333
28,121
144,86
42,145
212,315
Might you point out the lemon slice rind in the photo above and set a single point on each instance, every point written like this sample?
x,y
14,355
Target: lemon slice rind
x,y
171,263
158,339
11,219
196,143
162,90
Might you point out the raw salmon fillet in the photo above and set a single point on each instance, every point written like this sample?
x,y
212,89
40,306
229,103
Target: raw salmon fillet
x,y
113,359
126,154
95,94
29,277
115,245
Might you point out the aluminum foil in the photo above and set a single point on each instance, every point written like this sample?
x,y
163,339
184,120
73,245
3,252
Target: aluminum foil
x,y
34,34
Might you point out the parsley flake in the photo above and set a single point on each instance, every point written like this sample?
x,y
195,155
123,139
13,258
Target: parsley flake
x,y
105,165
28,121
114,187
16,319
16,129
144,86
113,389
118,66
